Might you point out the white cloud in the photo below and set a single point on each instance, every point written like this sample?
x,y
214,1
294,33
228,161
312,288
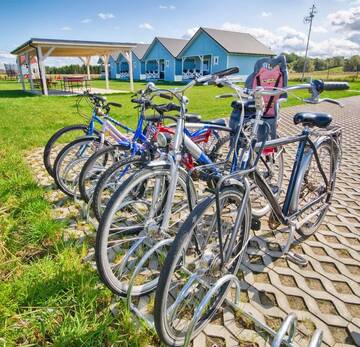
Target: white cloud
x,y
6,58
105,16
190,32
287,39
319,29
166,7
346,20
66,28
146,26
266,14
86,20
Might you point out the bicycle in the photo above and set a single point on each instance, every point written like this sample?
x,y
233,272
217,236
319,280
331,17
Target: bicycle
x,y
52,149
212,240
149,206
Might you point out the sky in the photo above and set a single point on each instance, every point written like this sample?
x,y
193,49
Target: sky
x,y
277,23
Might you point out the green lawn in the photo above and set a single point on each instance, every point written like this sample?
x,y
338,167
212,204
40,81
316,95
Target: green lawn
x,y
47,294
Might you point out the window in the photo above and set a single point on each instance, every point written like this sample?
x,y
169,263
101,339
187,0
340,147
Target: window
x,y
134,64
166,63
216,60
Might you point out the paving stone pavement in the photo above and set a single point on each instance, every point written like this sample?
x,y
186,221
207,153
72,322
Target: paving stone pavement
x,y
325,294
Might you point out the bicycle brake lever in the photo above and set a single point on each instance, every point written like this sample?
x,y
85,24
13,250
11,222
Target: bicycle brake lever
x,y
332,101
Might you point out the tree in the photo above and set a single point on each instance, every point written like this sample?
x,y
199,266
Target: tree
x,y
352,64
299,65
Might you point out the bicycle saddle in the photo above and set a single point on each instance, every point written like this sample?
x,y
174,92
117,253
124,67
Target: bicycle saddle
x,y
193,117
311,119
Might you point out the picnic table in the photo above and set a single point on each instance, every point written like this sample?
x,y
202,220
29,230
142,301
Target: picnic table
x,y
69,82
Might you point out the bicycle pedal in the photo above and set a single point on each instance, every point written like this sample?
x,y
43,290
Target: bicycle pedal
x,y
255,223
297,258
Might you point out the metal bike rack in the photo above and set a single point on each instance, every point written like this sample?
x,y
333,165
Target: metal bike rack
x,y
285,334
137,269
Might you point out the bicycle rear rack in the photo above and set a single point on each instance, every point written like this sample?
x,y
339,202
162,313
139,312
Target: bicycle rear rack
x,y
283,336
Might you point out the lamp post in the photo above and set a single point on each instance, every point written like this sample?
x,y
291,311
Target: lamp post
x,y
308,19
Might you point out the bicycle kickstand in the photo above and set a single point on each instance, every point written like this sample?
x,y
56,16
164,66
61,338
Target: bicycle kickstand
x,y
292,256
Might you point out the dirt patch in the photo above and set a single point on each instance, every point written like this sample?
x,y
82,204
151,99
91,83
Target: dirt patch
x,y
314,284
342,253
342,288
332,239
296,302
319,250
327,307
273,322
267,299
341,335
281,262
244,322
262,277
256,260
330,267
353,241
215,342
307,326
288,280
354,269
273,246
354,309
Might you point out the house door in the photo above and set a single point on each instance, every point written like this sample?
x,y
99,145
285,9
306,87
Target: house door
x,y
162,69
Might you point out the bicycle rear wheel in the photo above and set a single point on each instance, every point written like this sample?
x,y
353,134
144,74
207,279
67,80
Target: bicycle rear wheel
x,y
111,180
96,165
193,264
70,161
313,187
59,140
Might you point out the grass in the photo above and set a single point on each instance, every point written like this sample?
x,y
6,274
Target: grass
x,y
48,296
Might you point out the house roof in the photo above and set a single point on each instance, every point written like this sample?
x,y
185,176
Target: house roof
x,y
235,42
72,48
140,50
174,46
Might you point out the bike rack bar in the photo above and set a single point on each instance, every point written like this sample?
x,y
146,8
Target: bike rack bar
x,y
142,261
286,331
316,338
208,296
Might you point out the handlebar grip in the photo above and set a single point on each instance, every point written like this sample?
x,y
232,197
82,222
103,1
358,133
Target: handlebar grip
x,y
336,85
227,72
173,107
116,104
165,96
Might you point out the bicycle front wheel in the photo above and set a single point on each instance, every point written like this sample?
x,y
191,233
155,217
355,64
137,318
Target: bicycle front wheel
x,y
194,264
132,224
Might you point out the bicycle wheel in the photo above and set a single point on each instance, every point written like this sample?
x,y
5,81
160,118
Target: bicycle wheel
x,y
111,180
96,165
193,264
59,140
312,187
130,226
70,161
271,168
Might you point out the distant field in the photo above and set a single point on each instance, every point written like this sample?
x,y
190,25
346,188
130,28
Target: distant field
x,y
335,74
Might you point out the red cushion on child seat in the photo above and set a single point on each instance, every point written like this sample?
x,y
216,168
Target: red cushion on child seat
x,y
269,78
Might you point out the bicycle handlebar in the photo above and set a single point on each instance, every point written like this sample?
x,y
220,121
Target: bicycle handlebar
x,y
336,85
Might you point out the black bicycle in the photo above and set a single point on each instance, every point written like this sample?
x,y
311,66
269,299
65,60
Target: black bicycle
x,y
212,240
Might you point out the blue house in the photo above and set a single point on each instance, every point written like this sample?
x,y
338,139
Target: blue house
x,y
211,50
119,68
160,60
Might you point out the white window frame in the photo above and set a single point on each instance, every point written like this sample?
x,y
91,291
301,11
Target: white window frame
x,y
216,60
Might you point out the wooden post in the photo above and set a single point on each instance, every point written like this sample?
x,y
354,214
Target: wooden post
x,y
42,71
106,62
28,62
20,73
128,57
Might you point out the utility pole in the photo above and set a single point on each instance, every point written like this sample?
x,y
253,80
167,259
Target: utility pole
x,y
308,19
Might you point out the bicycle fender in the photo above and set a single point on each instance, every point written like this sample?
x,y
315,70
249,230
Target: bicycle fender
x,y
304,164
